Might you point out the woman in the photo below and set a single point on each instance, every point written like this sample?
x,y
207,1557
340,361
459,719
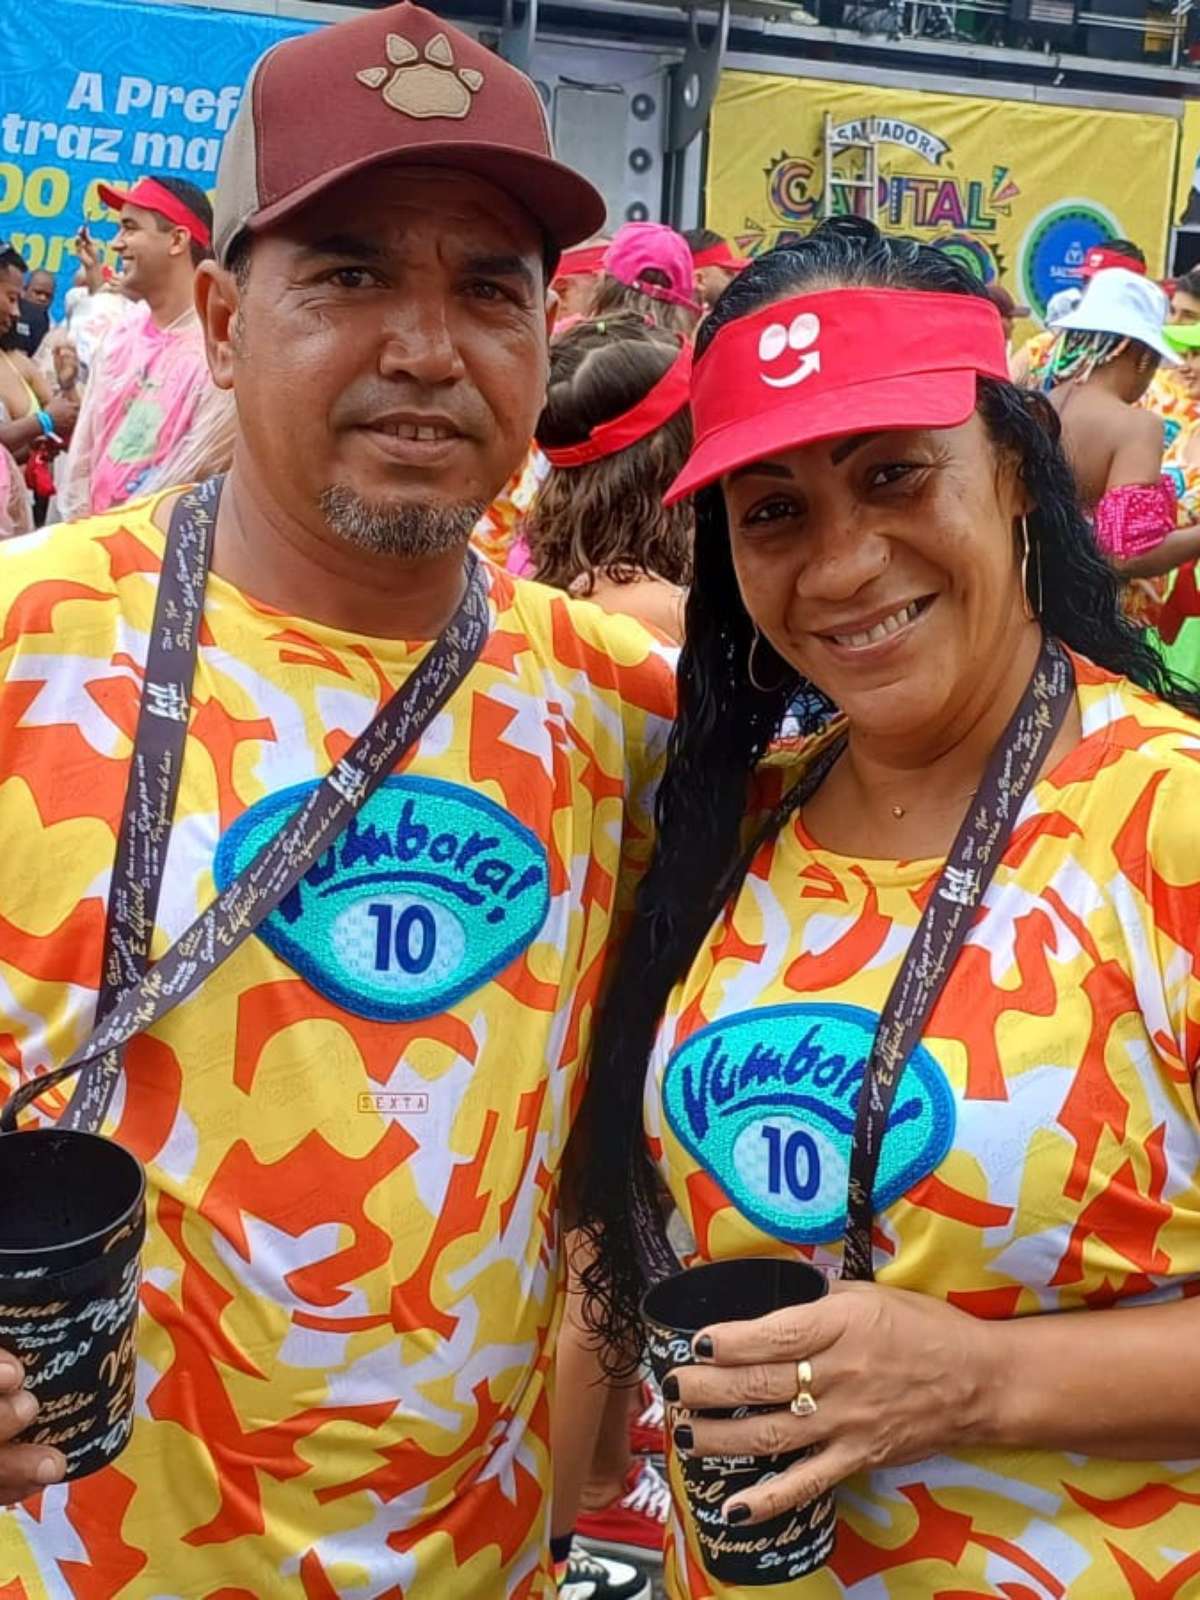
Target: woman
x,y
616,432
31,418
898,531
1109,351
1031,362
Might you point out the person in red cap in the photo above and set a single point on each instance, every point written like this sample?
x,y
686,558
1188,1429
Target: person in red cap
x,y
714,264
578,279
151,414
882,984
614,424
354,1126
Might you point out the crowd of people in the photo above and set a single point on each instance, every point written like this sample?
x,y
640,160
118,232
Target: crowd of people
x,y
797,866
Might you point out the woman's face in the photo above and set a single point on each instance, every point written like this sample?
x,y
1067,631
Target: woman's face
x,y
883,567
1189,371
1184,307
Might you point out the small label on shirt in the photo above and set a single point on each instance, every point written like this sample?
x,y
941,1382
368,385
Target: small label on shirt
x,y
429,891
765,1101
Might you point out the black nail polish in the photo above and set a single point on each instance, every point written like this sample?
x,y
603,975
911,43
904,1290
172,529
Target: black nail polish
x,y
670,1389
683,1437
736,1514
702,1346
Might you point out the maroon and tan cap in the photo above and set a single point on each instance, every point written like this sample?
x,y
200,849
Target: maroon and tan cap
x,y
396,84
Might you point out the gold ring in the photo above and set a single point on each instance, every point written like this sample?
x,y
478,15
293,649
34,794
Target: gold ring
x,y
803,1405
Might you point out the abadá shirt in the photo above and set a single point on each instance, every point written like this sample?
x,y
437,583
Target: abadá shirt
x,y
1042,1154
353,1132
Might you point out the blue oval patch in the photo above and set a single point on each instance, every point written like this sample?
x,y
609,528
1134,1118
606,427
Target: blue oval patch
x,y
430,890
765,1101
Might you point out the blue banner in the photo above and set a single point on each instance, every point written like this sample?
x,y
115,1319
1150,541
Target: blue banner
x,y
100,91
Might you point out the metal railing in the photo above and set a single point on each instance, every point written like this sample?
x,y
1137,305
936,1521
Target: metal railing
x,y
1163,32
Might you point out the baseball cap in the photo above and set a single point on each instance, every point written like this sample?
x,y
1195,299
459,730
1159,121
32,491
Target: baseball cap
x,y
842,361
1061,303
642,246
154,196
1122,302
395,84
1004,302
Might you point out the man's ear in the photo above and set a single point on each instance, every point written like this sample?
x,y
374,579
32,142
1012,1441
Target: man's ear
x,y
218,304
181,242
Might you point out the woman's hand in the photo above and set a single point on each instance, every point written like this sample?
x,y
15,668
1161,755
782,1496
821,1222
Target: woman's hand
x,y
896,1377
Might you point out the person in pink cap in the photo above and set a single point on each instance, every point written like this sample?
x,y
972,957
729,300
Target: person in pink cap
x,y
151,415
648,270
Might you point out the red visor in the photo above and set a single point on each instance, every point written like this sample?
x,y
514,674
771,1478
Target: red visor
x,y
719,255
589,258
843,361
668,396
151,196
1100,259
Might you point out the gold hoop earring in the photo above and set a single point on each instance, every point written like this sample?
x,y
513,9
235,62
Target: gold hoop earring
x,y
1032,611
763,688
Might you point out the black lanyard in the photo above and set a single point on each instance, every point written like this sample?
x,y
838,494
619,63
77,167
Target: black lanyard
x,y
977,851
133,998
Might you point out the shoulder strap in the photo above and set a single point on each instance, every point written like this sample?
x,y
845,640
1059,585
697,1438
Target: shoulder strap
x,y
970,866
158,743
256,891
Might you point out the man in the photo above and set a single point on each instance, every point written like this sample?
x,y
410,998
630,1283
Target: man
x,y
40,289
353,1133
33,323
151,414
714,264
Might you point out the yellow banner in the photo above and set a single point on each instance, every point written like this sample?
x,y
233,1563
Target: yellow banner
x,y
1014,190
1187,182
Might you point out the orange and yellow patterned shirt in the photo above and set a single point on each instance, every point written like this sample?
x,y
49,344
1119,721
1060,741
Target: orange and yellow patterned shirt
x,y
1043,1153
353,1133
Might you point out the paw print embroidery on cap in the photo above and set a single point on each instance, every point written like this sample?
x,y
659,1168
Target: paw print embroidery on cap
x,y
428,87
777,340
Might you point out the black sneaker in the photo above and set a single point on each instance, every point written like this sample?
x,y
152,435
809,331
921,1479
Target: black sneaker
x,y
590,1577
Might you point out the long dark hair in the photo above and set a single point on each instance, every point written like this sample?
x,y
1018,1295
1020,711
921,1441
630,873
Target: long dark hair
x,y
725,725
606,518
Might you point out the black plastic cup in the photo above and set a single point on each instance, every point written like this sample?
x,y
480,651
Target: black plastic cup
x,y
789,1546
72,1221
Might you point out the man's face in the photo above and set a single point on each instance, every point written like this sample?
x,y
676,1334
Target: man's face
x,y
711,283
389,356
40,289
147,251
11,283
